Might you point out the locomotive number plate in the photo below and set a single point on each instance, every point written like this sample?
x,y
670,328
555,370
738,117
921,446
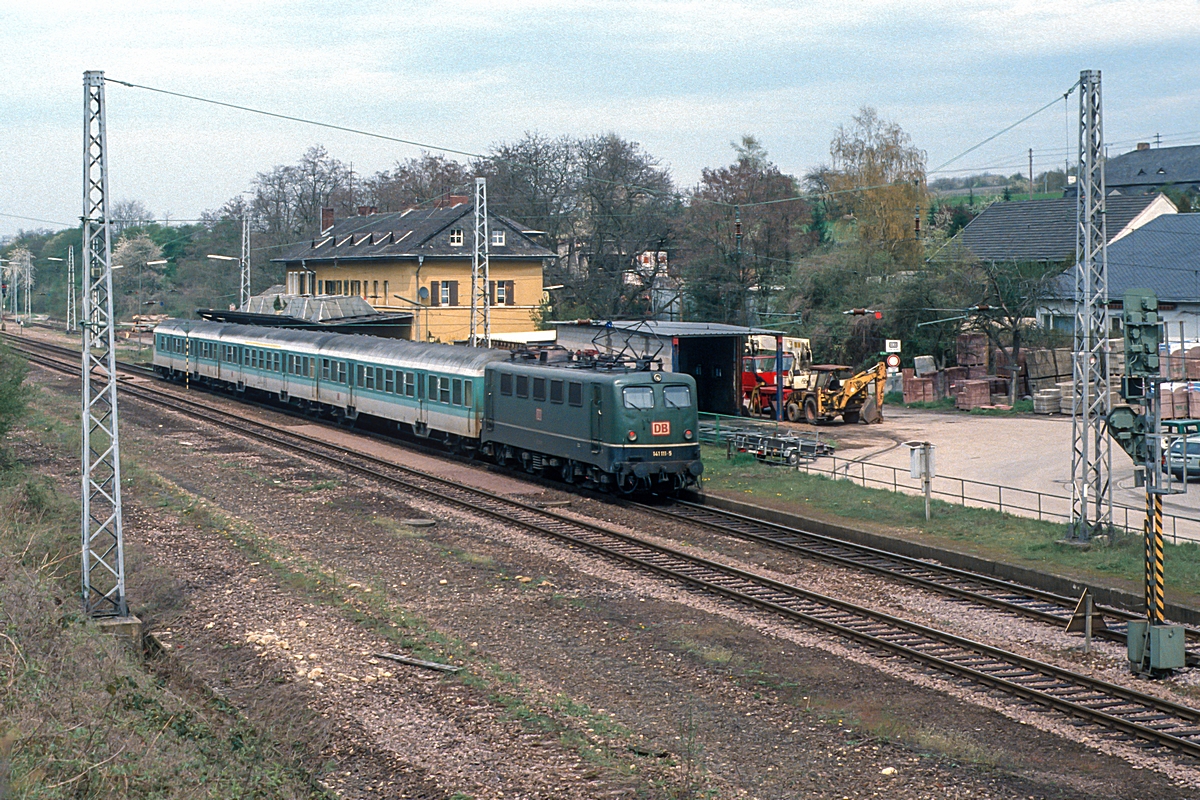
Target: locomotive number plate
x,y
662,453
660,428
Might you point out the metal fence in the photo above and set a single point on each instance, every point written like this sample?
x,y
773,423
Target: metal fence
x,y
981,494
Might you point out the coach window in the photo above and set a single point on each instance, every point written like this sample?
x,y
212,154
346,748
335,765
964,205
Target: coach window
x,y
575,393
324,369
457,398
445,393
432,394
638,397
389,382
506,385
677,397
342,372
359,380
468,396
410,384
556,391
370,377
522,386
539,389
379,379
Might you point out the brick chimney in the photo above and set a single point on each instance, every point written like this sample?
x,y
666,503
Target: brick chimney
x,y
326,219
366,211
1143,146
451,200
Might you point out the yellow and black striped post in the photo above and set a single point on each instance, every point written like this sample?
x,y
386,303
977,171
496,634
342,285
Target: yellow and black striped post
x,y
1148,540
1156,611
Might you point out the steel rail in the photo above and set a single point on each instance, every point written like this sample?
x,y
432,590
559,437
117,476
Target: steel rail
x,y
1027,601
1107,705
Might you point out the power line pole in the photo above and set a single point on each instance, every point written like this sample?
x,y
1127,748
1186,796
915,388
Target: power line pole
x,y
101,530
1091,452
1031,173
481,297
244,294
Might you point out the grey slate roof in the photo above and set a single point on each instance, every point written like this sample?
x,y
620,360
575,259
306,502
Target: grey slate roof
x,y
1158,166
1163,255
1040,230
413,233
666,329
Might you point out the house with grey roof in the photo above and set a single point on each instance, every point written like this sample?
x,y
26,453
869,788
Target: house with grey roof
x,y
1044,230
420,261
1162,255
1148,169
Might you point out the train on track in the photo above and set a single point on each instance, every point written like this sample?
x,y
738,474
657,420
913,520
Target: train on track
x,y
608,423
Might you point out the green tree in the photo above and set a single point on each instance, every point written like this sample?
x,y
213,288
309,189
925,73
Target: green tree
x,y
13,396
879,176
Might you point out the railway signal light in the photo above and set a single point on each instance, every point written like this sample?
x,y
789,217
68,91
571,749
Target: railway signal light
x,y
1139,317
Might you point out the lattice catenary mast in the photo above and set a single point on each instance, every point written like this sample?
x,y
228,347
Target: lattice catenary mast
x,y
72,314
103,542
481,299
244,294
1091,451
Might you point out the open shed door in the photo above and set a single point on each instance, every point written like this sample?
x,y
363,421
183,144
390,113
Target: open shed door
x,y
715,362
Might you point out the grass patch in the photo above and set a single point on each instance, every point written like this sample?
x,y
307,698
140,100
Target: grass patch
x,y
80,715
984,532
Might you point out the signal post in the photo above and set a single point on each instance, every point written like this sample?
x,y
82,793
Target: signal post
x,y
1154,646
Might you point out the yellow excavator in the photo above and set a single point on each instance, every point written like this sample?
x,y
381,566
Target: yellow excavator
x,y
823,392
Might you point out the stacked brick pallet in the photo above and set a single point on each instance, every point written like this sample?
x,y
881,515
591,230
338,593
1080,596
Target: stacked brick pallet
x,y
973,394
973,354
918,389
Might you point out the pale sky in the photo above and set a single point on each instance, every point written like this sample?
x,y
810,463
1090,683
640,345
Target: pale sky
x,y
683,79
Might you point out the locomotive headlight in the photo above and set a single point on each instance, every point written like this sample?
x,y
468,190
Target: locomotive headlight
x,y
687,435
632,436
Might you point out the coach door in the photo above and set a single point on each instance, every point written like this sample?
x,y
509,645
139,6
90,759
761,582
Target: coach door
x,y
422,423
597,417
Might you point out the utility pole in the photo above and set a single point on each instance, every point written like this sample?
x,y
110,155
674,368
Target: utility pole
x,y
101,529
244,294
1031,173
481,297
1091,451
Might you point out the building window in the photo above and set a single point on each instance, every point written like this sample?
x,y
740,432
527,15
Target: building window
x,y
355,288
387,297
444,290
498,238
501,294
456,237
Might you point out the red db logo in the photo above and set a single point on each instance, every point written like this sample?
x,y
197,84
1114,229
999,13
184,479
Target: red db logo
x,y
660,428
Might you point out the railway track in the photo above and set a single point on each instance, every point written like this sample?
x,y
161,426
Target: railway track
x,y
984,590
1117,710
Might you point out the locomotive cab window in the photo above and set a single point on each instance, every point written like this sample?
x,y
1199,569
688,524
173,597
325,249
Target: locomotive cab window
x,y
575,393
638,396
677,397
506,384
539,389
522,386
556,391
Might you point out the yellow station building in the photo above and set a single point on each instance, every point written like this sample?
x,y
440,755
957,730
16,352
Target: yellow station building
x,y
419,261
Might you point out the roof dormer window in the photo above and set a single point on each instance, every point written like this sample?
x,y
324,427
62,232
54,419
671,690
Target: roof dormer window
x,y
497,238
456,237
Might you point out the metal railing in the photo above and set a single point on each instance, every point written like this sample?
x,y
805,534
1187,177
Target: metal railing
x,y
982,494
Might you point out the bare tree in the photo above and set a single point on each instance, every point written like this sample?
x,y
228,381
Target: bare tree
x,y
137,277
129,214
731,285
426,179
